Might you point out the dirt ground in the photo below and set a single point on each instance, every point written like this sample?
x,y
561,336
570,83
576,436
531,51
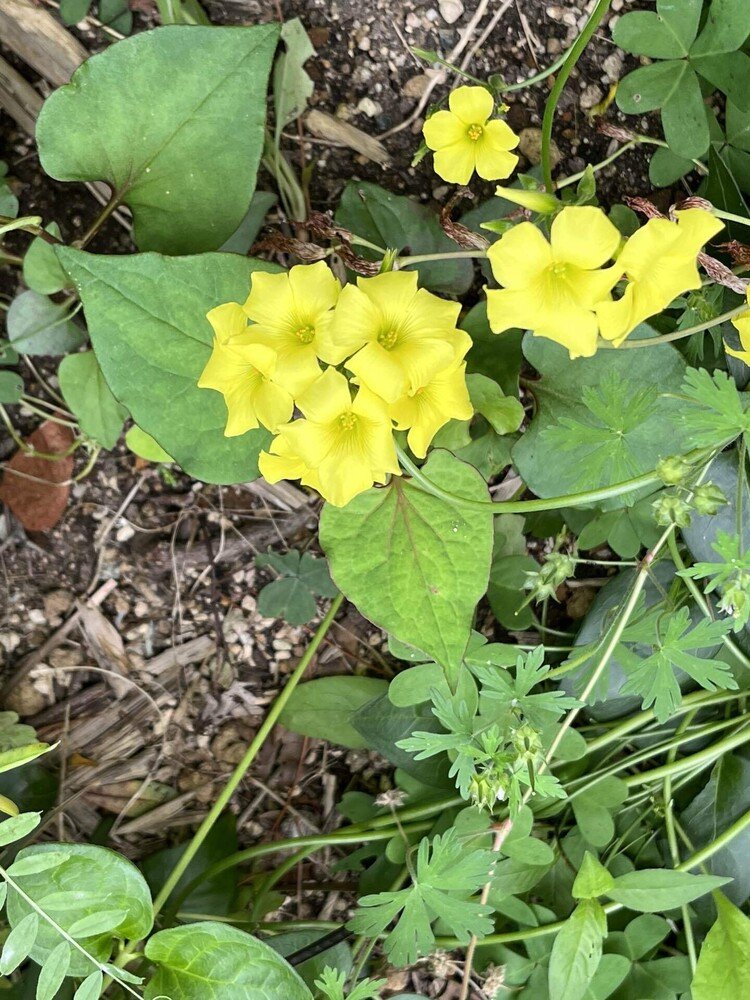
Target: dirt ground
x,y
169,561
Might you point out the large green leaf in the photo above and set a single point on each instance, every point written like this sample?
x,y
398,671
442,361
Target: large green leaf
x,y
391,220
727,26
723,968
570,446
174,120
577,951
652,889
208,961
414,564
148,326
90,881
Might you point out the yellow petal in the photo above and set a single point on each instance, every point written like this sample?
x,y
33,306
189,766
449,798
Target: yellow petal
x,y
228,321
444,398
519,256
380,371
297,369
271,299
584,236
430,314
697,225
273,405
326,398
442,129
618,318
356,320
341,482
510,308
592,287
574,328
455,163
392,293
315,290
473,105
499,135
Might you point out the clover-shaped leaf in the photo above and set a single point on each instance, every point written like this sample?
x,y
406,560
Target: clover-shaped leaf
x,y
303,577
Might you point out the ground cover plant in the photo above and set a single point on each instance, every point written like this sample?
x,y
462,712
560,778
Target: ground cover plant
x,y
524,393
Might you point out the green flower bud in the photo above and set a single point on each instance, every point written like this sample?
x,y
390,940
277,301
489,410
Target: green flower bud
x,y
527,742
671,509
673,470
536,201
488,788
708,498
735,600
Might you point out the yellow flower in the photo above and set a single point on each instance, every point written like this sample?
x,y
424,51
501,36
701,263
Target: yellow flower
x,y
553,288
742,324
427,409
660,262
400,335
292,313
349,444
465,140
242,371
281,462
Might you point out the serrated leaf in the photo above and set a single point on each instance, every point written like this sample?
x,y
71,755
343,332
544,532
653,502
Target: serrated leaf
x,y
148,326
650,890
90,399
445,878
37,325
414,564
196,90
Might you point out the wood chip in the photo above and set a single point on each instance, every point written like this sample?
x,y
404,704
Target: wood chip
x,y
327,127
40,40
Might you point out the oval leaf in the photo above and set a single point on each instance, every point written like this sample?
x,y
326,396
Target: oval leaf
x,y
181,143
209,961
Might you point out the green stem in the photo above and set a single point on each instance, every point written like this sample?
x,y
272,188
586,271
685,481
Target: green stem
x,y
596,167
528,506
695,762
572,57
424,258
730,217
537,77
669,338
674,849
112,205
252,752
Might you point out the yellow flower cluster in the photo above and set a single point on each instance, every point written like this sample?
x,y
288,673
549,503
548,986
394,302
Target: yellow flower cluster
x,y
465,139
562,288
399,344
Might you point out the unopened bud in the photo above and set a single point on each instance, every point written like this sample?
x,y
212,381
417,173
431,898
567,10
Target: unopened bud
x,y
673,470
535,201
671,509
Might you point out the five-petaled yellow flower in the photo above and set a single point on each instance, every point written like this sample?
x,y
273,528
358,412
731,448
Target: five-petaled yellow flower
x,y
400,335
243,372
660,262
465,140
553,288
292,313
348,442
425,410
281,462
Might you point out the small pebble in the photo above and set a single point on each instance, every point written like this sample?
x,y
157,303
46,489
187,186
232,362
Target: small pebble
x,y
450,10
